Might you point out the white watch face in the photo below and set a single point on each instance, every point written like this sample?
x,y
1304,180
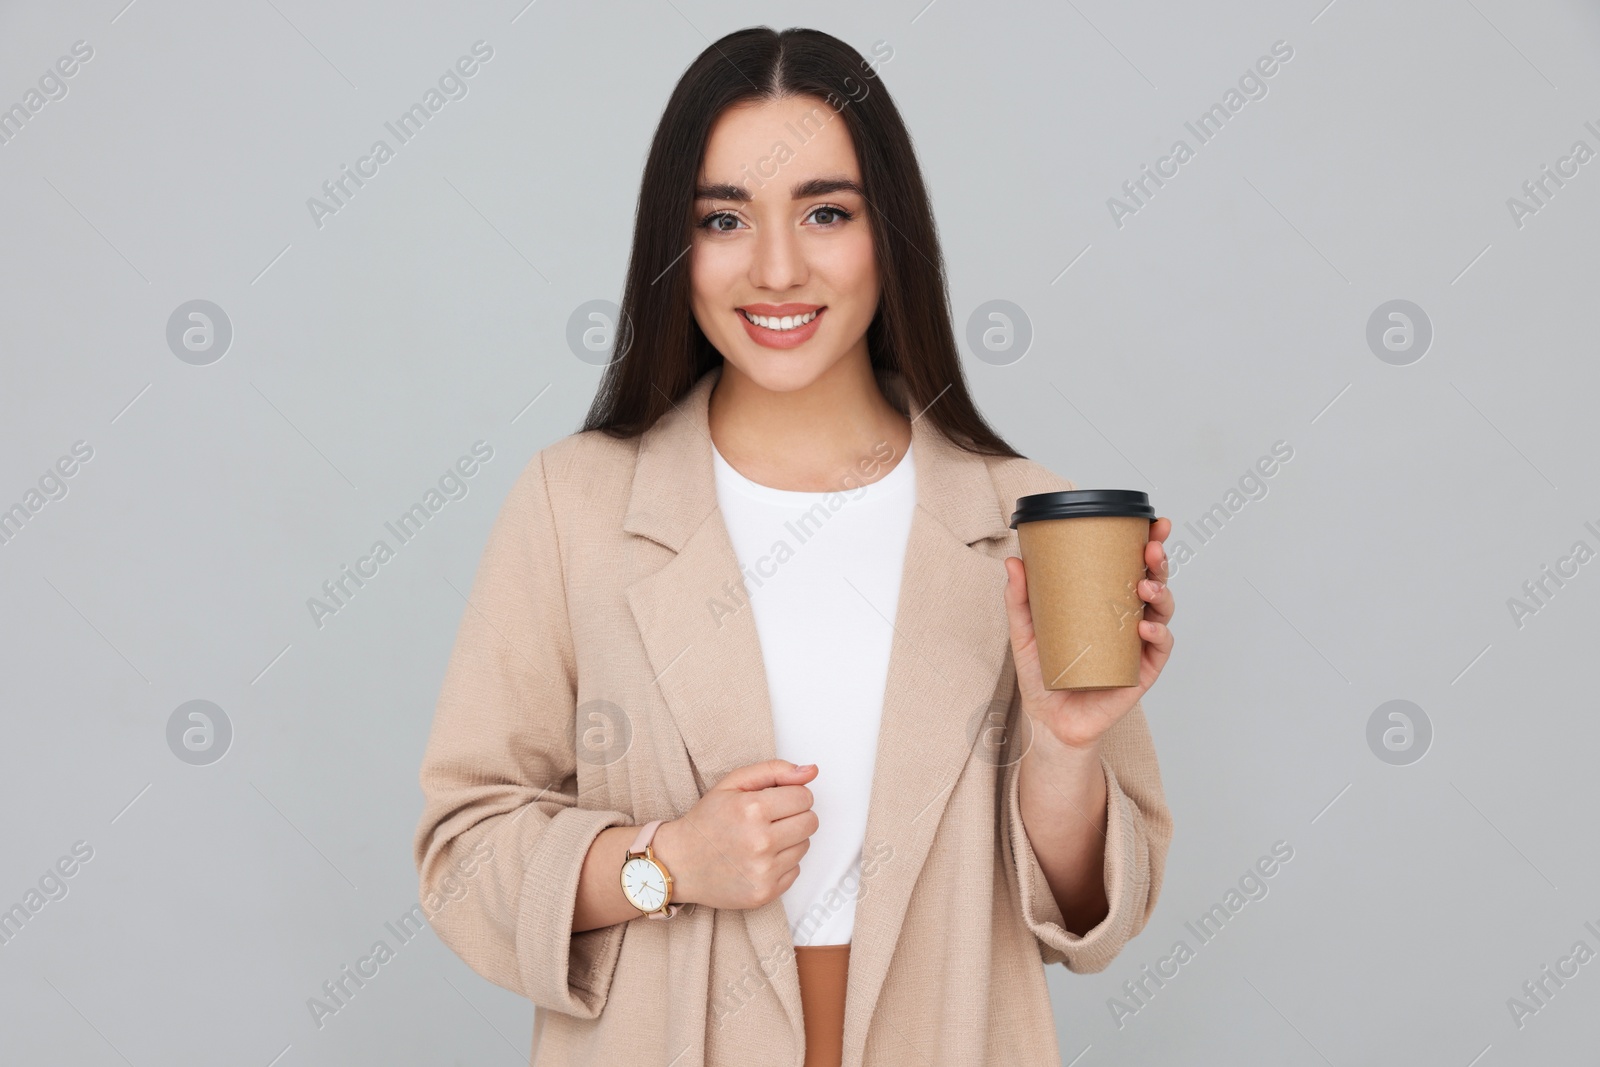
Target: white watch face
x,y
643,884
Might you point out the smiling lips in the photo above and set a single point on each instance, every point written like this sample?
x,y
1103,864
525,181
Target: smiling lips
x,y
781,325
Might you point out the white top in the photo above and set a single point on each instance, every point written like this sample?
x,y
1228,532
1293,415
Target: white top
x,y
823,575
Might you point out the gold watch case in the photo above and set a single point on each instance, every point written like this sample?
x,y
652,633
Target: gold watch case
x,y
646,882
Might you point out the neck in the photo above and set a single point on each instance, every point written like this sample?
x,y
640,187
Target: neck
x,y
829,434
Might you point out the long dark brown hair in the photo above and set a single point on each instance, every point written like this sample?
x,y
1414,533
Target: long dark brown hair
x,y
666,352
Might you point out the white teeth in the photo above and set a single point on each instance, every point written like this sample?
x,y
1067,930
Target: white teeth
x,y
788,322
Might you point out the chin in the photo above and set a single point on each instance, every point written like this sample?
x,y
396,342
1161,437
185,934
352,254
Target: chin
x,y
779,371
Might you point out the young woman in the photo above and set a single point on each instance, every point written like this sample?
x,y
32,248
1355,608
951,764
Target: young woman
x,y
751,653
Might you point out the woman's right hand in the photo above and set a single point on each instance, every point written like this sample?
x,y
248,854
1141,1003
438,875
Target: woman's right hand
x,y
741,843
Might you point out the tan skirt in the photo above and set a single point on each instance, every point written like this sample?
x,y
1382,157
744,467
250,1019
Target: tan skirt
x,y
823,969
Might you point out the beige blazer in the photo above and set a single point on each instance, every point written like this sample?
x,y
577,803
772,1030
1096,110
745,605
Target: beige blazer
x,y
607,671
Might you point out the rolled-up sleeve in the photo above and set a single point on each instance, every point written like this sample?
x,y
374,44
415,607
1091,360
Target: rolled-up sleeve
x,y
502,838
1138,831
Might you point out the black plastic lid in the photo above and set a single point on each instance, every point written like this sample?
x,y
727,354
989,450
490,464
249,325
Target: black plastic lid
x,y
1078,503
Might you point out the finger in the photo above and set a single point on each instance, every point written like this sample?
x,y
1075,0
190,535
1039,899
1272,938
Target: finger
x,y
1019,614
789,858
795,828
782,801
1158,601
1160,528
763,775
1155,560
787,878
1158,642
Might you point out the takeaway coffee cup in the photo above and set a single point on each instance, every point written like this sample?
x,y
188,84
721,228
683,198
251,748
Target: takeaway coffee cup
x,y
1083,550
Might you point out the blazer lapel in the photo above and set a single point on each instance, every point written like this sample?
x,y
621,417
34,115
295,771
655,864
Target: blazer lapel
x,y
950,646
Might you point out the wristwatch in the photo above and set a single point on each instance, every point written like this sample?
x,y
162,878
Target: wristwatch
x,y
645,882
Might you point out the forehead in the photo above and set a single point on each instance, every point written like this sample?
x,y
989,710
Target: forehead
x,y
802,135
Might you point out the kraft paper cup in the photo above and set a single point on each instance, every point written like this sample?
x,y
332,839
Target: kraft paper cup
x,y
1083,550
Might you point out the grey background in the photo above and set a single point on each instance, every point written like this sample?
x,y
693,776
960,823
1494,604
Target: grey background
x,y
368,355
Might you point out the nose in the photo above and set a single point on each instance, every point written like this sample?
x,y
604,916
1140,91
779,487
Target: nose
x,y
777,259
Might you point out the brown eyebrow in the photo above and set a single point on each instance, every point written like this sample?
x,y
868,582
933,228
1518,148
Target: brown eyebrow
x,y
801,191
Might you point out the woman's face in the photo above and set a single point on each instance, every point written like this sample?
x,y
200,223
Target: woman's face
x,y
781,233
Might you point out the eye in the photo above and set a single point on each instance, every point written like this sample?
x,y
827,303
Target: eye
x,y
839,213
711,220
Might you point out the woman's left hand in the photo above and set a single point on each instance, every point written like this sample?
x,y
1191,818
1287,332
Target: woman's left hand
x,y
1079,718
